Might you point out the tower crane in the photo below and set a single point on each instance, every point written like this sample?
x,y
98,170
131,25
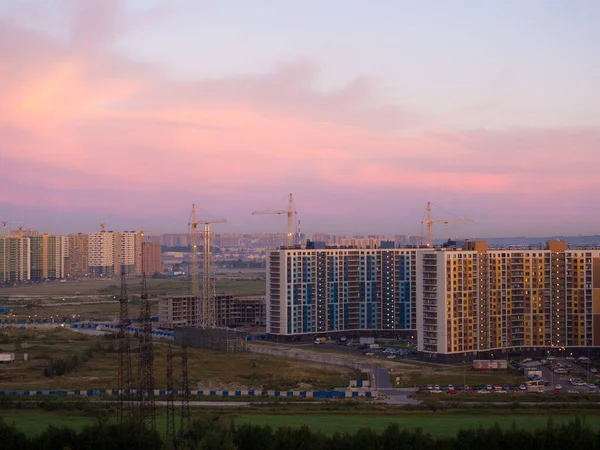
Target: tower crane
x,y
207,310
429,223
20,227
290,218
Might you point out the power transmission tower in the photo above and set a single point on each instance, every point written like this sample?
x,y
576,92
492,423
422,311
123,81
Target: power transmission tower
x,y
170,432
125,381
147,405
185,391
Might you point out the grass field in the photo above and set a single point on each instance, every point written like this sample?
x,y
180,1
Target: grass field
x,y
206,369
96,298
252,283
34,422
436,425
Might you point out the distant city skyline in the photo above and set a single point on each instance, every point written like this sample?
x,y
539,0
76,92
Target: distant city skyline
x,y
129,111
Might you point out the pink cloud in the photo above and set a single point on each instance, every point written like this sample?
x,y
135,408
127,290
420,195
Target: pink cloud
x,y
81,125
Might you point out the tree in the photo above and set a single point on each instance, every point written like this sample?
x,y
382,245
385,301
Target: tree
x,y
253,437
11,438
55,439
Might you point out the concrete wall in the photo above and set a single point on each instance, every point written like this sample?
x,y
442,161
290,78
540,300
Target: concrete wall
x,y
324,358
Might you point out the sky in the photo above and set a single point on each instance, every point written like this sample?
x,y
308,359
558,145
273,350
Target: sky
x,y
130,111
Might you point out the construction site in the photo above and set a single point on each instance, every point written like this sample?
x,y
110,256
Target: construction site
x,y
200,319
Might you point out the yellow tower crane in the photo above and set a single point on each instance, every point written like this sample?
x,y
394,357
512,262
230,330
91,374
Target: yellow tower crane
x,y
206,308
290,218
429,223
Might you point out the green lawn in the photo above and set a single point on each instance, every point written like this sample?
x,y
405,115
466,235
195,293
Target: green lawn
x,y
437,425
34,422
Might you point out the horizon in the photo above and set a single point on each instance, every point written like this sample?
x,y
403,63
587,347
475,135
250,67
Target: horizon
x,y
130,111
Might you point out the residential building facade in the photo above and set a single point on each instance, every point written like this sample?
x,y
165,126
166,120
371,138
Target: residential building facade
x,y
126,260
476,300
77,260
326,290
101,253
152,258
15,259
47,257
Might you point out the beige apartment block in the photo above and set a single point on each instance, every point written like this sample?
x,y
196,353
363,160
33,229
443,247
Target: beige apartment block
x,y
477,299
101,253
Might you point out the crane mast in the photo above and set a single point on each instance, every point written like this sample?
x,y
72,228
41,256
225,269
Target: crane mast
x,y
205,304
194,250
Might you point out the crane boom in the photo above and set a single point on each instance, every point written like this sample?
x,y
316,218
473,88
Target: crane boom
x,y
290,218
271,211
429,221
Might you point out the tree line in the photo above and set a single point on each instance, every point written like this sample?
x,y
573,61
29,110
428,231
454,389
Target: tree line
x,y
218,434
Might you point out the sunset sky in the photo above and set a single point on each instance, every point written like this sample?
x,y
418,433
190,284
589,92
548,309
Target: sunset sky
x,y
130,111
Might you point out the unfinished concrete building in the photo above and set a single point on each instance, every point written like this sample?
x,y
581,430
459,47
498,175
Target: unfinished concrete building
x,y
237,312
178,311
183,310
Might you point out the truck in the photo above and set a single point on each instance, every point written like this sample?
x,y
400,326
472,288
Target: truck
x,y
320,340
7,358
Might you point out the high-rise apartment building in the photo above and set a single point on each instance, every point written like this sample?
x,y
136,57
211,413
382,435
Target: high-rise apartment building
x,y
47,256
326,290
127,244
175,240
15,263
77,261
152,258
477,299
462,302
101,253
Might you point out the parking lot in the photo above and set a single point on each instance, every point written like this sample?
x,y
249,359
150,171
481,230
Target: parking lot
x,y
567,374
553,375
371,350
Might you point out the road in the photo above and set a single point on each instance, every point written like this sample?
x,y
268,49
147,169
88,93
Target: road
x,y
394,396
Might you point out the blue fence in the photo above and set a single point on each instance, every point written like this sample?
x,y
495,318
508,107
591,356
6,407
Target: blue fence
x,y
210,393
